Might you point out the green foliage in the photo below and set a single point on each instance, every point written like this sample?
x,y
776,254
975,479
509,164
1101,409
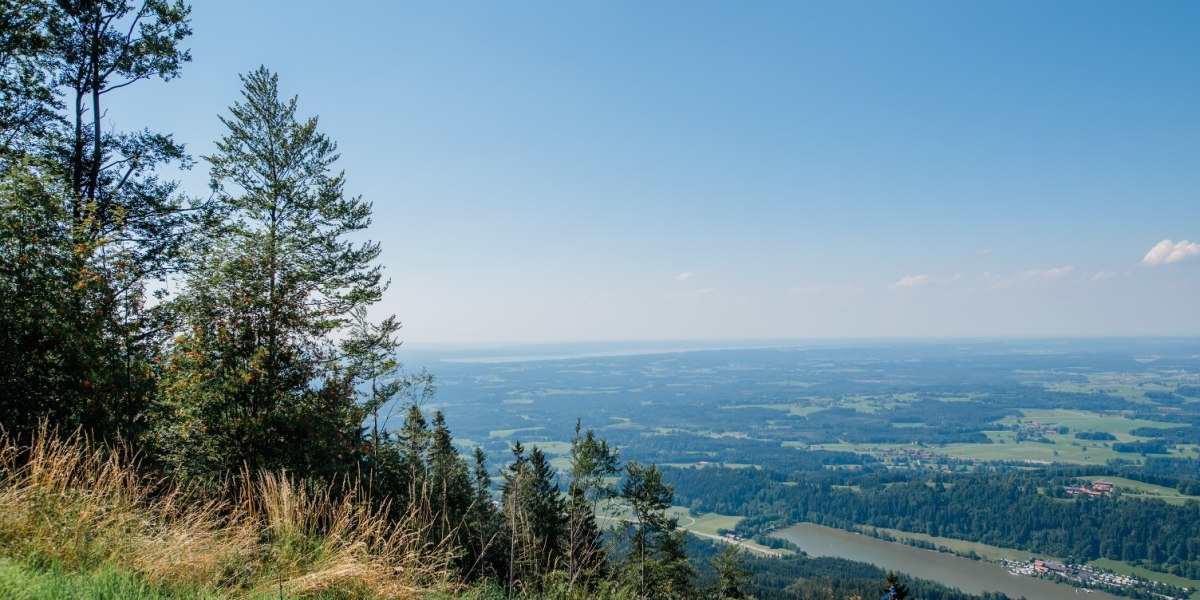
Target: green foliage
x,y
732,575
43,357
535,519
657,563
104,213
486,526
593,462
59,342
451,487
22,582
898,590
253,376
25,79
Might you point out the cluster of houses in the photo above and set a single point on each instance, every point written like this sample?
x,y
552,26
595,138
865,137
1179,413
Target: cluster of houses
x,y
1082,574
1045,566
1097,489
1036,428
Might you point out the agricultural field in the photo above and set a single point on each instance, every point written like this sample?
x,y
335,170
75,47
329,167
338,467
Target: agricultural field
x,y
951,406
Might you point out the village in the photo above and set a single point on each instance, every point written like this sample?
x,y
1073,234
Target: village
x,y
1097,489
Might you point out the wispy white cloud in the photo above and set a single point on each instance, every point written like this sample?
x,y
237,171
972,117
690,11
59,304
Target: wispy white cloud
x,y
845,289
1027,277
686,275
1052,273
1169,252
1101,276
909,282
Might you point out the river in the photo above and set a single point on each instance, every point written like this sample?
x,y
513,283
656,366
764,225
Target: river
x,y
970,576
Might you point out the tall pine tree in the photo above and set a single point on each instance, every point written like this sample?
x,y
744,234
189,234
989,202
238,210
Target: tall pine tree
x,y
593,462
657,564
535,518
255,374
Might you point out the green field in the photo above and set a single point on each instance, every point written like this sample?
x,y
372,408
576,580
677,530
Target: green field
x,y
508,433
792,409
1063,448
1004,446
1117,566
986,551
1082,420
723,465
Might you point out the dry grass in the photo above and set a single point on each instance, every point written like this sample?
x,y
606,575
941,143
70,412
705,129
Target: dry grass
x,y
69,502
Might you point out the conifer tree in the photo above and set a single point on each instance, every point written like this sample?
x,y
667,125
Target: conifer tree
x,y
450,486
592,462
534,517
893,586
254,375
671,569
657,561
382,383
414,448
732,575
486,544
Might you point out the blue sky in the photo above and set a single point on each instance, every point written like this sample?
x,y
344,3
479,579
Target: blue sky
x,y
550,171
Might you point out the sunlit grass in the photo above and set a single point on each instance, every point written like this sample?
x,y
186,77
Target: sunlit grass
x,y
92,512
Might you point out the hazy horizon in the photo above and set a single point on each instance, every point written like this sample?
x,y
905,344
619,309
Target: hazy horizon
x,y
545,171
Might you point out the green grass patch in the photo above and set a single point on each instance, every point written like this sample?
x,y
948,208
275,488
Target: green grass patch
x,y
723,465
1124,568
19,581
1083,420
986,551
1004,446
508,433
553,448
800,410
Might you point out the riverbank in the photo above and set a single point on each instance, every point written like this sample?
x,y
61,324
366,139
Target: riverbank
x,y
1101,572
972,576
